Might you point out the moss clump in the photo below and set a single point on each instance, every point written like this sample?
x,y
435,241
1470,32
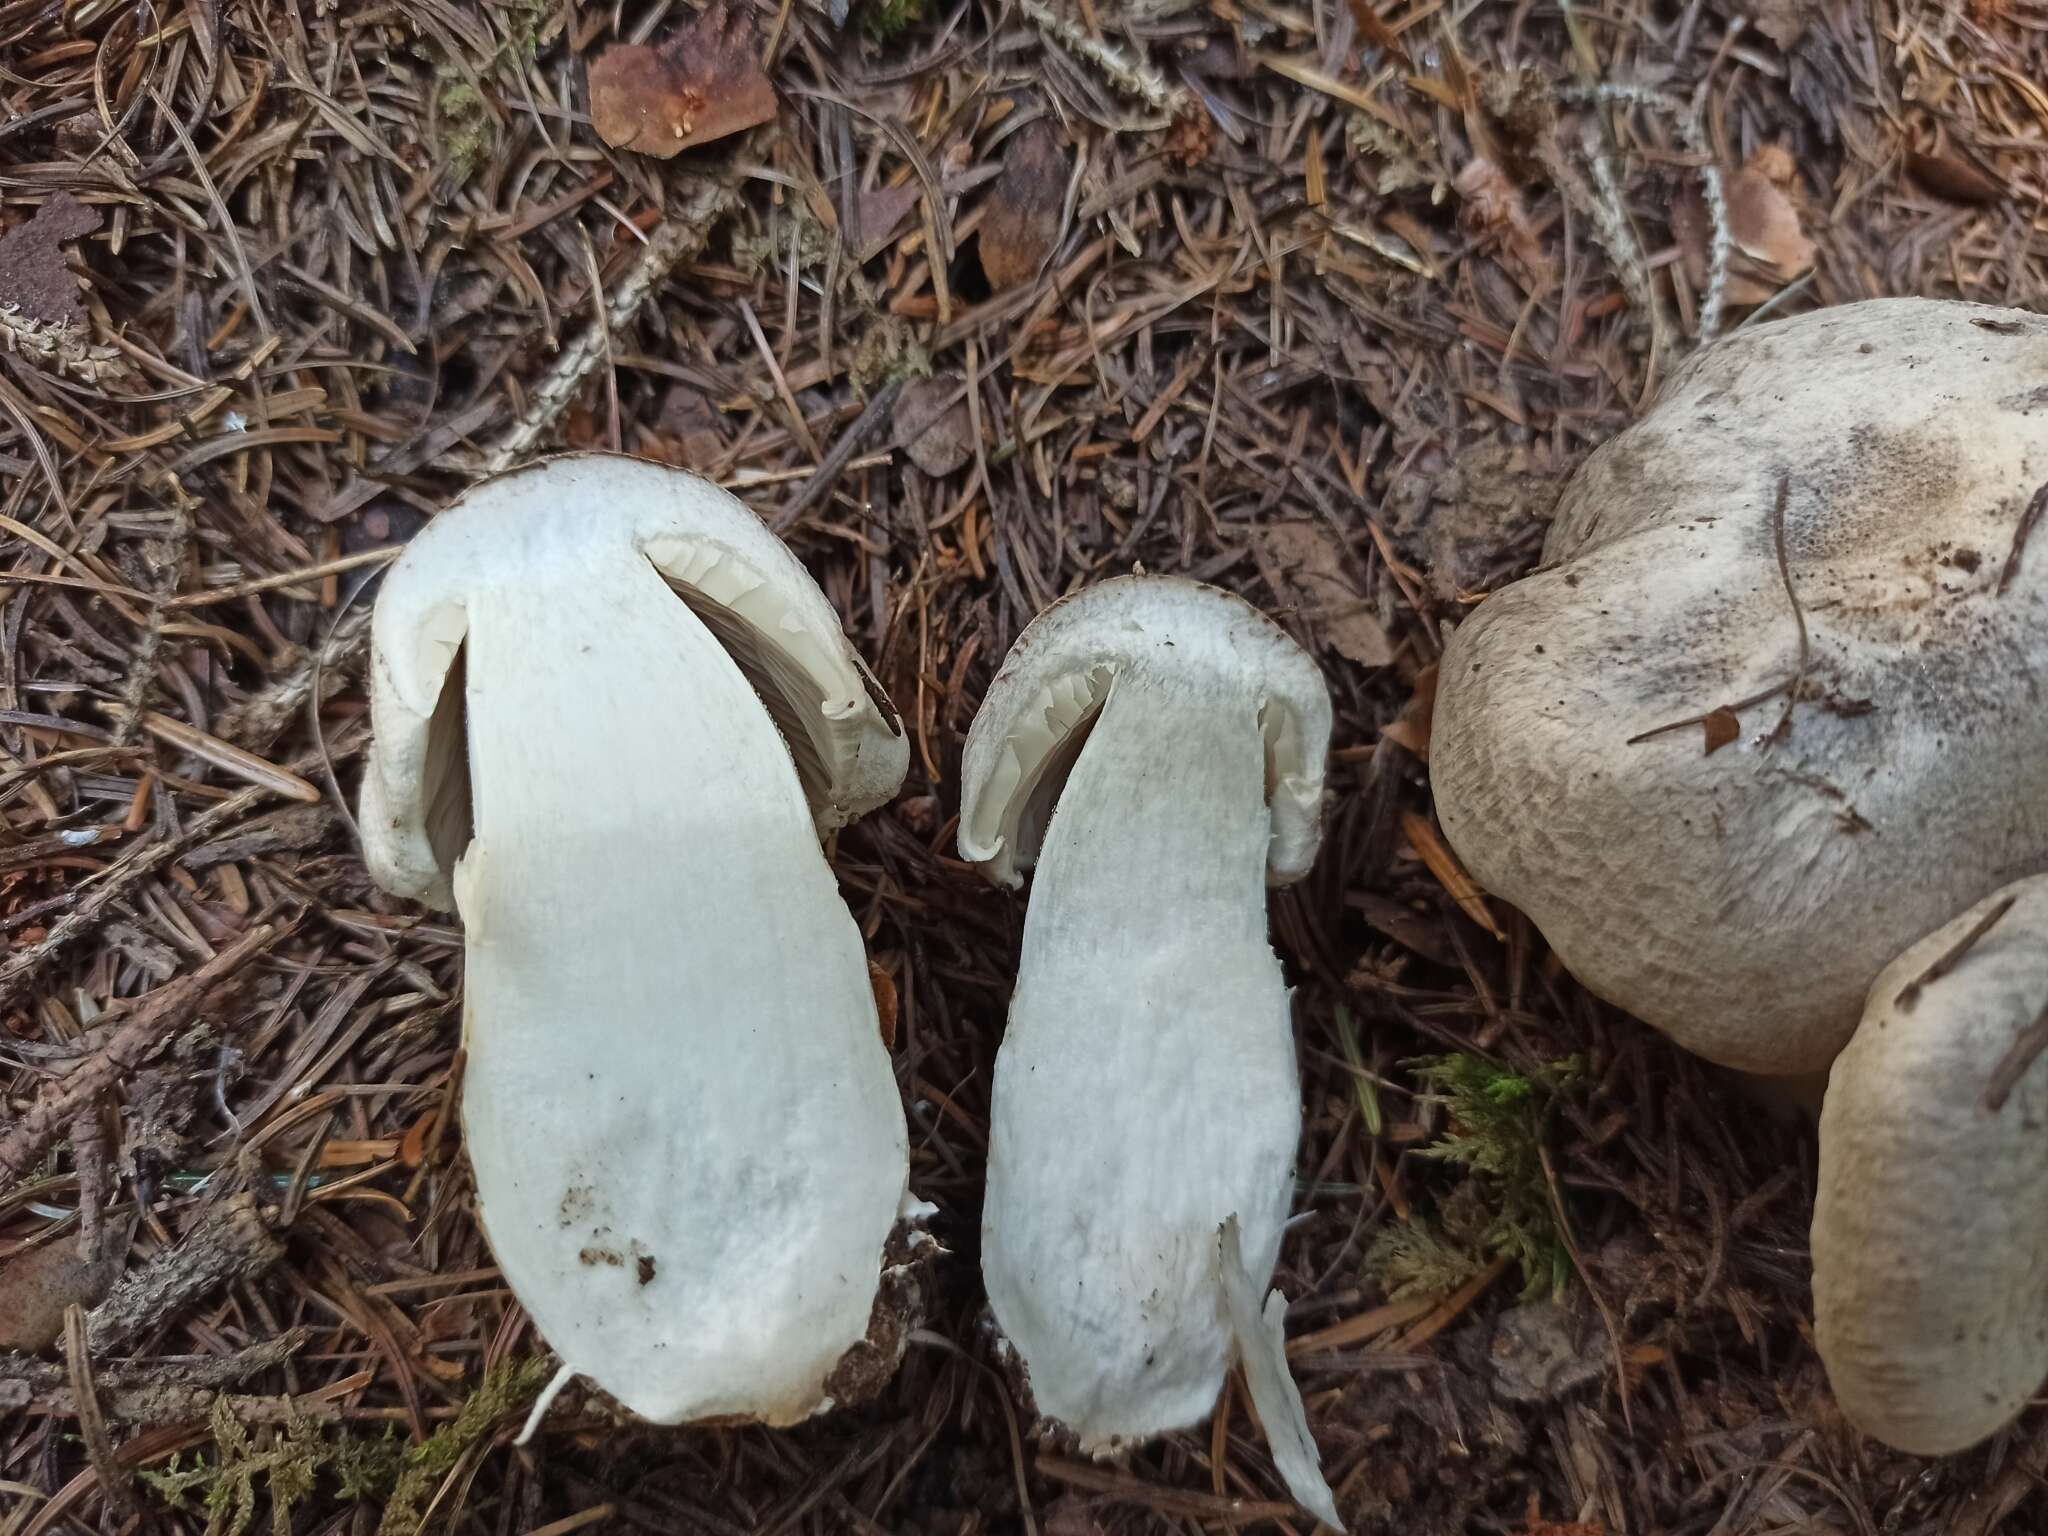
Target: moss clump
x,y
365,1469
888,347
1498,1120
510,1387
467,132
884,19
288,1466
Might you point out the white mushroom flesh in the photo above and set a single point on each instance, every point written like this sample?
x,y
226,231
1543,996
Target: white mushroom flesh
x,y
1146,1090
1930,1228
688,1142
1742,899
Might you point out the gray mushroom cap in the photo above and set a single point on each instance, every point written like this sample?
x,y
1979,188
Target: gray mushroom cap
x,y
1738,882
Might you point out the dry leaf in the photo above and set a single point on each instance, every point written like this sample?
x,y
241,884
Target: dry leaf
x,y
884,986
939,436
36,1287
1722,727
1765,226
686,432
1023,210
1411,728
1304,565
1493,203
877,217
35,285
1954,178
703,83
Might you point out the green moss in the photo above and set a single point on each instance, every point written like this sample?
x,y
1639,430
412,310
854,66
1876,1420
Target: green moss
x,y
1498,1120
510,1388
884,19
289,1464
467,130
888,347
366,1469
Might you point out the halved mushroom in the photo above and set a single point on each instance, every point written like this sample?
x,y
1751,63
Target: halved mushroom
x,y
1930,1254
1768,710
1156,748
612,714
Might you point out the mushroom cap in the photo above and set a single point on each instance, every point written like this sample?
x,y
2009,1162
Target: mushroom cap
x,y
739,579
1740,895
1038,709
1930,1227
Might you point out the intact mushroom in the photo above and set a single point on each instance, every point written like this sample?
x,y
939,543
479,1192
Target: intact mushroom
x,y
1767,711
1155,748
612,716
1930,1257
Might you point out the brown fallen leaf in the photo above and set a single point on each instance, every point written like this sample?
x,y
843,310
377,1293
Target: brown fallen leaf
x,y
884,986
1304,565
1762,220
1411,728
1954,178
702,83
34,282
938,436
1721,727
36,1287
1765,227
685,431
878,215
1023,210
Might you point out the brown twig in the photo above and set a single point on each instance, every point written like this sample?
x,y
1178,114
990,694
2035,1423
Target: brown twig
x,y
155,1016
2025,527
2025,1050
21,969
1951,957
1792,685
231,1241
116,1481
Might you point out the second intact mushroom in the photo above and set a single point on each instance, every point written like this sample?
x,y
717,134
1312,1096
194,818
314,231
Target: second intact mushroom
x,y
613,716
1930,1247
1767,712
1155,747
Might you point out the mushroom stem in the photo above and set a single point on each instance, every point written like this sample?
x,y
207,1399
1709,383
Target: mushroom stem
x,y
1152,874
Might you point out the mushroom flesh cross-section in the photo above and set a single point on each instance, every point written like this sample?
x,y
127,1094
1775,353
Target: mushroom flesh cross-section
x,y
1155,747
612,716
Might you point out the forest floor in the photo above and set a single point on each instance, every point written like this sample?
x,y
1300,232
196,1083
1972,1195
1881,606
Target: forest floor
x,y
1317,301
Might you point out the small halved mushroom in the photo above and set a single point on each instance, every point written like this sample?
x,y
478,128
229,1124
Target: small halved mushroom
x,y
612,715
1930,1254
1768,711
1156,748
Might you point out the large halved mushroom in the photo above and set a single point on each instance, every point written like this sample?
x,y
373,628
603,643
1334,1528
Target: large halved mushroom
x,y
1768,712
1930,1247
1156,748
613,714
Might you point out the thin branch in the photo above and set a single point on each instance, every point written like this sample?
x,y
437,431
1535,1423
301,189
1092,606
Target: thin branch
x,y
1951,957
155,1017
